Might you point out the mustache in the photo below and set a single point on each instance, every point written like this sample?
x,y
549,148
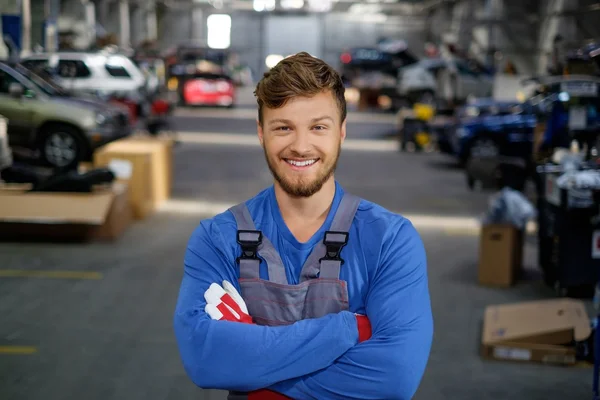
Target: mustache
x,y
294,154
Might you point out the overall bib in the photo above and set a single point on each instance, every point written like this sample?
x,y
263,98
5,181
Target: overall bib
x,y
320,291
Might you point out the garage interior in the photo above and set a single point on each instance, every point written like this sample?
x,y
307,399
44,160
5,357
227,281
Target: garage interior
x,y
89,278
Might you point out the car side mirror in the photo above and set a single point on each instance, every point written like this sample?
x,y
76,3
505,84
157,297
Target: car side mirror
x,y
16,90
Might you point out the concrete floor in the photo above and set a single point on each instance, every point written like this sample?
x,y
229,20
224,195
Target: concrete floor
x,y
112,338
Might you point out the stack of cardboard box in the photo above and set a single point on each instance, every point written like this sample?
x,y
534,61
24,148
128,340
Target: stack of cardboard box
x,y
143,167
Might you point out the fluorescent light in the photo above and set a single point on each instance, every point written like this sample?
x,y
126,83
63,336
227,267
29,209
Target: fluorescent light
x,y
292,4
272,60
263,5
319,5
219,31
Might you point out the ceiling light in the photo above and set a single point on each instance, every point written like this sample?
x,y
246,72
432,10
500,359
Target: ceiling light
x,y
319,5
292,4
272,60
264,5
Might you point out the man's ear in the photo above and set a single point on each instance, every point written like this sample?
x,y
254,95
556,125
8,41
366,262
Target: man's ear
x,y
343,131
259,129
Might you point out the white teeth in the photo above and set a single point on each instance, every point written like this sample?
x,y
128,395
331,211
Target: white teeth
x,y
301,163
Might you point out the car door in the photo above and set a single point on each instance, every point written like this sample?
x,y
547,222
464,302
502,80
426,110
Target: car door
x,y
18,111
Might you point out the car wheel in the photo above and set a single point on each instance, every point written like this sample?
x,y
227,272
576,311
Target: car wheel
x,y
484,147
61,147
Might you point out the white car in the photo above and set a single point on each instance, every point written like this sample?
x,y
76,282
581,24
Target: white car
x,y
98,73
447,79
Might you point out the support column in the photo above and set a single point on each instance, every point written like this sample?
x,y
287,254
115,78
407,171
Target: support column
x,y
52,11
124,29
151,21
26,28
549,28
197,23
90,20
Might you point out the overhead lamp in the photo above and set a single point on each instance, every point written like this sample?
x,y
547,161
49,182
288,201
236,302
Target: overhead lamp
x,y
263,5
292,4
320,5
272,60
362,9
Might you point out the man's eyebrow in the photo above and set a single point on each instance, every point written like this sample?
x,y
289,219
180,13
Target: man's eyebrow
x,y
322,118
287,121
279,121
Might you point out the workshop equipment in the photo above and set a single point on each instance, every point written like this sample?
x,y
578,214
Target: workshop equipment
x,y
415,133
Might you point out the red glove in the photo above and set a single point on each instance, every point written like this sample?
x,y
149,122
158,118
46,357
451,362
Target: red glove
x,y
264,394
364,327
225,303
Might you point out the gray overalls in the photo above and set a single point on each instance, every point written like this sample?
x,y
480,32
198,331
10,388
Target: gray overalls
x,y
320,291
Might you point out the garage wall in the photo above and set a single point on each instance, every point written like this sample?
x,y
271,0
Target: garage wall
x,y
343,31
174,27
339,32
246,40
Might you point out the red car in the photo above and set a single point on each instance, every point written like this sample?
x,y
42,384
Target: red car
x,y
209,90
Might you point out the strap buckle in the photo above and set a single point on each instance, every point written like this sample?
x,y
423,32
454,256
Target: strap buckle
x,y
334,241
249,242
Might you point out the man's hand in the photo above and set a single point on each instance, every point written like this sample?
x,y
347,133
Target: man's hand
x,y
225,303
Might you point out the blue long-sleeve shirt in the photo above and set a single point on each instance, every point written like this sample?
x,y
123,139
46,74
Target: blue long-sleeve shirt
x,y
386,272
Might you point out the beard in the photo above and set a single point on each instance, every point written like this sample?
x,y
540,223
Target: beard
x,y
304,186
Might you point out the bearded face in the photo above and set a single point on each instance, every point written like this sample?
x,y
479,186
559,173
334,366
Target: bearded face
x,y
302,143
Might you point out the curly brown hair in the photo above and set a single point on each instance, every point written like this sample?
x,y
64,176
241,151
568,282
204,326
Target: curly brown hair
x,y
299,75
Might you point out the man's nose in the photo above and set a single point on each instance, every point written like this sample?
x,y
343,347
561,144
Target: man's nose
x,y
301,143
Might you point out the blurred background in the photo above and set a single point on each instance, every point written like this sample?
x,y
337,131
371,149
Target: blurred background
x,y
123,123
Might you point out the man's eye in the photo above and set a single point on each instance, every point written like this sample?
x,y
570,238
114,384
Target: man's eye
x,y
320,127
282,128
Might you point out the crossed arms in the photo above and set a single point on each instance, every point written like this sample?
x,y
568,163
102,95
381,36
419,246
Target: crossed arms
x,y
315,358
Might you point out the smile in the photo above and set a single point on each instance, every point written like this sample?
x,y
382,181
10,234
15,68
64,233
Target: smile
x,y
301,163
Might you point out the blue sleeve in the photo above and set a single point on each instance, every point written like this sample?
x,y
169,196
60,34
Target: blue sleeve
x,y
235,356
391,364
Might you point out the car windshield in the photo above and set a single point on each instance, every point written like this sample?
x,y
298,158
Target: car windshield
x,y
43,81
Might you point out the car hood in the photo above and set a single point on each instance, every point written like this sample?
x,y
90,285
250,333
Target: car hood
x,y
494,122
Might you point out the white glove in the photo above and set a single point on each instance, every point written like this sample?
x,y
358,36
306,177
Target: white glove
x,y
225,303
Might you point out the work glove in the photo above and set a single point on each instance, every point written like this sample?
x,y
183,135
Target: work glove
x,y
225,303
364,327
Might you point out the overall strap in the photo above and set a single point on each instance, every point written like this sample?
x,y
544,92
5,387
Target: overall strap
x,y
325,260
253,243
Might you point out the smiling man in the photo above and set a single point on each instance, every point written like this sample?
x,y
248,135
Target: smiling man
x,y
305,291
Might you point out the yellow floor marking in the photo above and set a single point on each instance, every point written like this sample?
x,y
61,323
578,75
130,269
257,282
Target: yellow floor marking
x,y
17,350
15,273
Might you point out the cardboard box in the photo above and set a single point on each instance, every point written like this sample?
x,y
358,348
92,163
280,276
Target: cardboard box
x,y
161,161
133,167
537,331
102,215
500,255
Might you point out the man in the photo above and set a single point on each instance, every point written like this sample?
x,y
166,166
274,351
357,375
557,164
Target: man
x,y
310,261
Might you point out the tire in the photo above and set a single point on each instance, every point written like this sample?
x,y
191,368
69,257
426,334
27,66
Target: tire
x,y
483,146
62,147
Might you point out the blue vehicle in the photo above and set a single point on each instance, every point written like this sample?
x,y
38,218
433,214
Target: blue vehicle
x,y
490,128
